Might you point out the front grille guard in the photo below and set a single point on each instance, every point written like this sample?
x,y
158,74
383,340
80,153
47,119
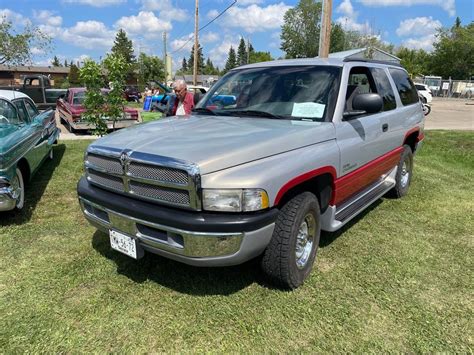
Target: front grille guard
x,y
193,182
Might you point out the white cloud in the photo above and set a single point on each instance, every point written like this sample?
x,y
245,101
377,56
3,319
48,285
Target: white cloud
x,y
425,42
209,37
183,44
219,53
145,23
212,13
349,19
89,35
95,3
421,32
250,2
447,5
48,18
81,59
255,18
14,17
166,9
37,51
419,26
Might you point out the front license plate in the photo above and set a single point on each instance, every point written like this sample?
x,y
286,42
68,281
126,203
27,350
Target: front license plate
x,y
123,243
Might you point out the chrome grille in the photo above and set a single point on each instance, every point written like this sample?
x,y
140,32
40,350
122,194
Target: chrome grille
x,y
108,181
158,173
111,165
163,180
180,197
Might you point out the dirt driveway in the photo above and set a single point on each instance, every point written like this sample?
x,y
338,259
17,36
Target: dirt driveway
x,y
451,114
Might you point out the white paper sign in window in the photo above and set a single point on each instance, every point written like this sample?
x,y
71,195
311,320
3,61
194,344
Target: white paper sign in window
x,y
308,109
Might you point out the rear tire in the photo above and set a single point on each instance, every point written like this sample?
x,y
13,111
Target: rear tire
x,y
288,259
404,173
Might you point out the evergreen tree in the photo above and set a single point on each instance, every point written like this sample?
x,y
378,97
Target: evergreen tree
x,y
56,62
184,66
73,77
242,52
124,47
231,60
200,60
65,63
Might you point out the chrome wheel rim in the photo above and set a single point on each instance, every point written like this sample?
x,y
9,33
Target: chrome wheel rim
x,y
305,240
17,191
405,174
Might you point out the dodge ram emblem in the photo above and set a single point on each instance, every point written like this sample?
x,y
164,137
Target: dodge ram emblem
x,y
123,159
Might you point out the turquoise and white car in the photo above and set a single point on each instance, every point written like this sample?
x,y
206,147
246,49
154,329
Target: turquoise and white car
x,y
26,140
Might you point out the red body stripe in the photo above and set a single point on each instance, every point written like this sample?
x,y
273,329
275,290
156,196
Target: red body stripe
x,y
356,180
302,178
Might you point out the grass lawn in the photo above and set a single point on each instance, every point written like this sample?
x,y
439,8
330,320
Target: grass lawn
x,y
398,279
150,116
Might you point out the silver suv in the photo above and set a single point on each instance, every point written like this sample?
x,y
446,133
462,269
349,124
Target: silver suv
x,y
274,153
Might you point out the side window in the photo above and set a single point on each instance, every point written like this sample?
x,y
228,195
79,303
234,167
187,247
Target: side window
x,y
406,88
8,114
20,106
360,82
384,89
31,108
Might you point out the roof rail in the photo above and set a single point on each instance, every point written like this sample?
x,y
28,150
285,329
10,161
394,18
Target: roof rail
x,y
372,61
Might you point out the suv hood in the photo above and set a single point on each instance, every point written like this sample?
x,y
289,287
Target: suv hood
x,y
218,142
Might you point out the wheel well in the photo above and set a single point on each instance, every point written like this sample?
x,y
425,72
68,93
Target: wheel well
x,y
321,186
411,140
25,169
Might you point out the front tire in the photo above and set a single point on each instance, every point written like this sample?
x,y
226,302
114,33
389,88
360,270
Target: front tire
x,y
288,259
404,173
19,189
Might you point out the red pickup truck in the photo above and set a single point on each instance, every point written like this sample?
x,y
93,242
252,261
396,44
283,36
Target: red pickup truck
x,y
71,110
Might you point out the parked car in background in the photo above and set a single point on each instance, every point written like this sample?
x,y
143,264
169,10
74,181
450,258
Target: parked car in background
x,y
307,145
26,140
425,92
38,88
132,94
71,110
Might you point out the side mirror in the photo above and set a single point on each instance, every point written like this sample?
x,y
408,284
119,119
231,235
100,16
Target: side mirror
x,y
364,104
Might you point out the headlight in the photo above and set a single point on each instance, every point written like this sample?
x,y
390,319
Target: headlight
x,y
234,200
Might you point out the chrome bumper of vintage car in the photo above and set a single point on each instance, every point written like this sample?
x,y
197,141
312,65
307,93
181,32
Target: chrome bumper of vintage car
x,y
194,248
78,125
7,196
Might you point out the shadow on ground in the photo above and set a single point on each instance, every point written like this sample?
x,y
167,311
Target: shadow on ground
x,y
193,280
34,189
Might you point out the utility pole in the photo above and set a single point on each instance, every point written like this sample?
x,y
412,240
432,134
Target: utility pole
x,y
196,29
325,35
164,54
248,50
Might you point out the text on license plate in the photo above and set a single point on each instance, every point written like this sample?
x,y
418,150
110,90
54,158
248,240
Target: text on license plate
x,y
123,243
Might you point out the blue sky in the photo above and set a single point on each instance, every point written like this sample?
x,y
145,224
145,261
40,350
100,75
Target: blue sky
x,y
86,28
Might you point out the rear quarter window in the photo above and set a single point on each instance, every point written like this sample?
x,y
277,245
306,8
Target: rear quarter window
x,y
384,88
405,87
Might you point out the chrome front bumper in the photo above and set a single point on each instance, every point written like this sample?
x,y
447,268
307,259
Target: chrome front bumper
x,y
118,124
194,248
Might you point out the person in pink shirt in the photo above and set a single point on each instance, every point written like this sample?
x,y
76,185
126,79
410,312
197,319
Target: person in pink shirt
x,y
184,102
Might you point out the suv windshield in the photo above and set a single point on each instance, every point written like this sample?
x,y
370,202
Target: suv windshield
x,y
288,92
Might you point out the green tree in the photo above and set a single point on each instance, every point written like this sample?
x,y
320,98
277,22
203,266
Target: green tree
x,y
74,77
209,68
65,63
242,52
231,62
55,62
98,105
151,68
454,52
257,57
15,48
338,38
200,60
123,46
414,61
184,65
300,30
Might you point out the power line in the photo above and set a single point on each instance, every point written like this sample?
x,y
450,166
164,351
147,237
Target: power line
x,y
203,27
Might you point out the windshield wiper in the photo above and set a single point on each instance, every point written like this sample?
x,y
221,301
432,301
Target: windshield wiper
x,y
255,113
203,110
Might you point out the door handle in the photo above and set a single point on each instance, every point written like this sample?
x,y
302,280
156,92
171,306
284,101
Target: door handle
x,y
385,127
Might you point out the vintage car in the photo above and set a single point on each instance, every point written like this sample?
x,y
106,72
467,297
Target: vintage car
x,y
71,109
26,140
